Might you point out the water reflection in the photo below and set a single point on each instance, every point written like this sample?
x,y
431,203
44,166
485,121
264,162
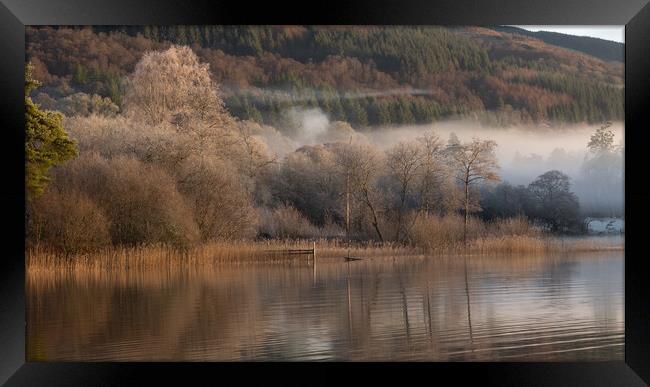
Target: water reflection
x,y
402,308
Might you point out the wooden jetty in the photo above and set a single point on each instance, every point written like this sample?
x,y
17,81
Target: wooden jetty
x,y
311,251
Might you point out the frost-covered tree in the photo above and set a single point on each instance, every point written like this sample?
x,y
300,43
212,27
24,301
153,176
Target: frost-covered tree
x,y
404,162
173,86
472,163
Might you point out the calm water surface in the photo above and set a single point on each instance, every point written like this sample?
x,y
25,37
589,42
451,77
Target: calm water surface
x,y
551,308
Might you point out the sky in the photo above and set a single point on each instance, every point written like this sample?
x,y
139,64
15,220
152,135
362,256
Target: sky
x,y
614,33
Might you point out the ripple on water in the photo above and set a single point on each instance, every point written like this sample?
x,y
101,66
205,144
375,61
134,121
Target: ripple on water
x,y
409,309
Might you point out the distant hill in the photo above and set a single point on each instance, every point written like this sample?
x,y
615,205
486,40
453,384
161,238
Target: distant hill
x,y
365,75
599,48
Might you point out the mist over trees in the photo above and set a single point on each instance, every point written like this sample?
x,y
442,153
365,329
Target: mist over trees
x,y
555,205
601,178
173,166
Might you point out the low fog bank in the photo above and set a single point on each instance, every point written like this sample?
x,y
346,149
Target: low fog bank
x,y
524,152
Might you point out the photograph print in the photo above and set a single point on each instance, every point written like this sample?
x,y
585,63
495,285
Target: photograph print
x,y
324,193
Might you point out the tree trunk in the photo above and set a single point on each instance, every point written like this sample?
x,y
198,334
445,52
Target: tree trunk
x,y
347,205
381,238
466,212
399,212
375,222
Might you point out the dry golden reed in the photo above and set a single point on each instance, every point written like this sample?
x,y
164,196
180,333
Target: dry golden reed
x,y
163,256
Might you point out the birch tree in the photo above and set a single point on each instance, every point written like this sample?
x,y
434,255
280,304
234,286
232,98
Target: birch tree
x,y
472,163
173,86
361,166
404,162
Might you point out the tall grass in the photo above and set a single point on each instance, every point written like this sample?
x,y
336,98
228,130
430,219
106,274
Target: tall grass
x,y
444,234
152,256
240,252
435,233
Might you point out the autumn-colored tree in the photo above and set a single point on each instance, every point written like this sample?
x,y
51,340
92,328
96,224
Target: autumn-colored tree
x,y
501,81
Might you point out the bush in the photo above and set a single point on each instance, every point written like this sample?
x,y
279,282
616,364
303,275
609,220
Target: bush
x,y
140,200
85,105
433,232
68,222
222,207
516,226
79,104
113,136
285,221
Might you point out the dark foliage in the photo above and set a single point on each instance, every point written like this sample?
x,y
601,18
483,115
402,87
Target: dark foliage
x,y
365,75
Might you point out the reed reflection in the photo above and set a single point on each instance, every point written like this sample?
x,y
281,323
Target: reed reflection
x,y
540,308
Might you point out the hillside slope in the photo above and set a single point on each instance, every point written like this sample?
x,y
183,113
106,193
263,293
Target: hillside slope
x,y
365,75
602,49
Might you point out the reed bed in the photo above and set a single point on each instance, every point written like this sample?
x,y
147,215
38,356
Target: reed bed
x,y
156,256
236,252
527,244
518,244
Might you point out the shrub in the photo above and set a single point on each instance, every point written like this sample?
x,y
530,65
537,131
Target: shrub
x,y
84,104
140,200
222,206
433,232
517,226
285,221
68,222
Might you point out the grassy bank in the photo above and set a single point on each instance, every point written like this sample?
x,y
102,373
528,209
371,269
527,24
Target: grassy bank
x,y
161,256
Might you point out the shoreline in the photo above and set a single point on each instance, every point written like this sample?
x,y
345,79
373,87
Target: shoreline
x,y
246,251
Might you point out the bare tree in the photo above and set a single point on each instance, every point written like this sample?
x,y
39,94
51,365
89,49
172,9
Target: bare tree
x,y
346,161
433,167
365,180
310,180
404,161
251,156
430,176
361,165
473,162
221,204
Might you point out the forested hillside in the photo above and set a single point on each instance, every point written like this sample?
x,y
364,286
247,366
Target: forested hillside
x,y
368,76
600,48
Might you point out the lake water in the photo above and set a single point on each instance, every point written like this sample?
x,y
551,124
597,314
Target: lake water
x,y
538,308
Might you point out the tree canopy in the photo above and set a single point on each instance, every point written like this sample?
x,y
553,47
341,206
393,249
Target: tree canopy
x,y
46,142
365,75
557,207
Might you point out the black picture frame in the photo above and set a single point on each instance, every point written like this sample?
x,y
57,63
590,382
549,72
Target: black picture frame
x,y
15,14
